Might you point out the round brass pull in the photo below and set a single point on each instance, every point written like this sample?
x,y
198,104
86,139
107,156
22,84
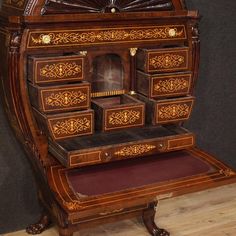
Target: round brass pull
x,y
113,10
172,32
46,39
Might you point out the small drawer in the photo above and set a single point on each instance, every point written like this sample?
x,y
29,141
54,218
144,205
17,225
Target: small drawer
x,y
168,110
164,60
118,112
66,125
159,86
44,70
60,98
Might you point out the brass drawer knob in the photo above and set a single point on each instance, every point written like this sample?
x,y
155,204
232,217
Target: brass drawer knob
x,y
113,10
46,39
172,32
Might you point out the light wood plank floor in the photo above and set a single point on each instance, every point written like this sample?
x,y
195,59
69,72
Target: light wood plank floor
x,y
208,213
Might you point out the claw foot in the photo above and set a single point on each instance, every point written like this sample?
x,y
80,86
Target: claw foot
x,y
40,226
160,232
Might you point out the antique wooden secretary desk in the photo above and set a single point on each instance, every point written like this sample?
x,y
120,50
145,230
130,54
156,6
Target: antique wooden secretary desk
x,y
97,92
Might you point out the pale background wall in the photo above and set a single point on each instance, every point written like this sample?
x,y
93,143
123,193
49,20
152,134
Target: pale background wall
x,y
213,117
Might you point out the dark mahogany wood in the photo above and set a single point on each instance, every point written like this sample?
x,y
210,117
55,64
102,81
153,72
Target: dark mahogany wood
x,y
148,219
57,57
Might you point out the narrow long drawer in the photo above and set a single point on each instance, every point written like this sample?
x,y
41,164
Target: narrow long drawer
x,y
60,98
164,86
55,69
66,125
164,60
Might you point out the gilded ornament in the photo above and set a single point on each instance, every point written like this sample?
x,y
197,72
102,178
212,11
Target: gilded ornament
x,y
125,117
71,126
65,99
173,111
60,70
133,51
46,39
166,61
109,35
172,32
171,85
135,150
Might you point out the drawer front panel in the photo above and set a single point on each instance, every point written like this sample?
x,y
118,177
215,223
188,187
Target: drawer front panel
x,y
64,99
174,111
105,36
140,149
170,85
57,69
66,127
118,118
168,60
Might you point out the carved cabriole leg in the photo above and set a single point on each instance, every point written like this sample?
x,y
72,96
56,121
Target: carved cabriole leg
x,y
40,226
148,220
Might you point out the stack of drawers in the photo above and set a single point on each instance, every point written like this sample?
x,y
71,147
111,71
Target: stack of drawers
x,y
164,79
60,96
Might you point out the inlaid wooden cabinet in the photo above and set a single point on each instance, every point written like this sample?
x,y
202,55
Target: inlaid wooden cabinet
x,y
97,92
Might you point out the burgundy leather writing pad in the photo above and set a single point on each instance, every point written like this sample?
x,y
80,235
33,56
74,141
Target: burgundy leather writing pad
x,y
117,176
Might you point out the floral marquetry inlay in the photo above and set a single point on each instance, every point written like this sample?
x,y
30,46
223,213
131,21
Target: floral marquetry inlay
x,y
125,117
101,36
173,111
15,3
60,70
71,126
65,99
135,150
171,85
167,61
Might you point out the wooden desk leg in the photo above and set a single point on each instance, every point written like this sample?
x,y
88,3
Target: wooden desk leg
x,y
148,220
65,232
40,226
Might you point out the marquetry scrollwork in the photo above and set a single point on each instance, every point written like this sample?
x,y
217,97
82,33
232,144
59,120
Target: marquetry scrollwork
x,y
135,150
73,205
227,172
102,36
167,61
124,117
171,85
60,70
15,3
71,126
65,99
173,111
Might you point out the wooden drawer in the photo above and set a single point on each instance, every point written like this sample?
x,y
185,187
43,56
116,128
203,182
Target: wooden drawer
x,y
118,112
44,70
158,86
134,143
60,98
66,125
168,110
164,60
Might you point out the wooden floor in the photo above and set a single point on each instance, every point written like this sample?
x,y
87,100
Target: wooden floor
x,y
208,213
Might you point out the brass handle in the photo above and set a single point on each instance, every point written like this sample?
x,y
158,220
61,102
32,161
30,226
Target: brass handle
x,y
46,39
172,32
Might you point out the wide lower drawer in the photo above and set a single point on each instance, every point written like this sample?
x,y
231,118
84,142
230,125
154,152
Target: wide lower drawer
x,y
108,147
66,125
60,98
168,111
164,60
89,191
56,69
159,86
